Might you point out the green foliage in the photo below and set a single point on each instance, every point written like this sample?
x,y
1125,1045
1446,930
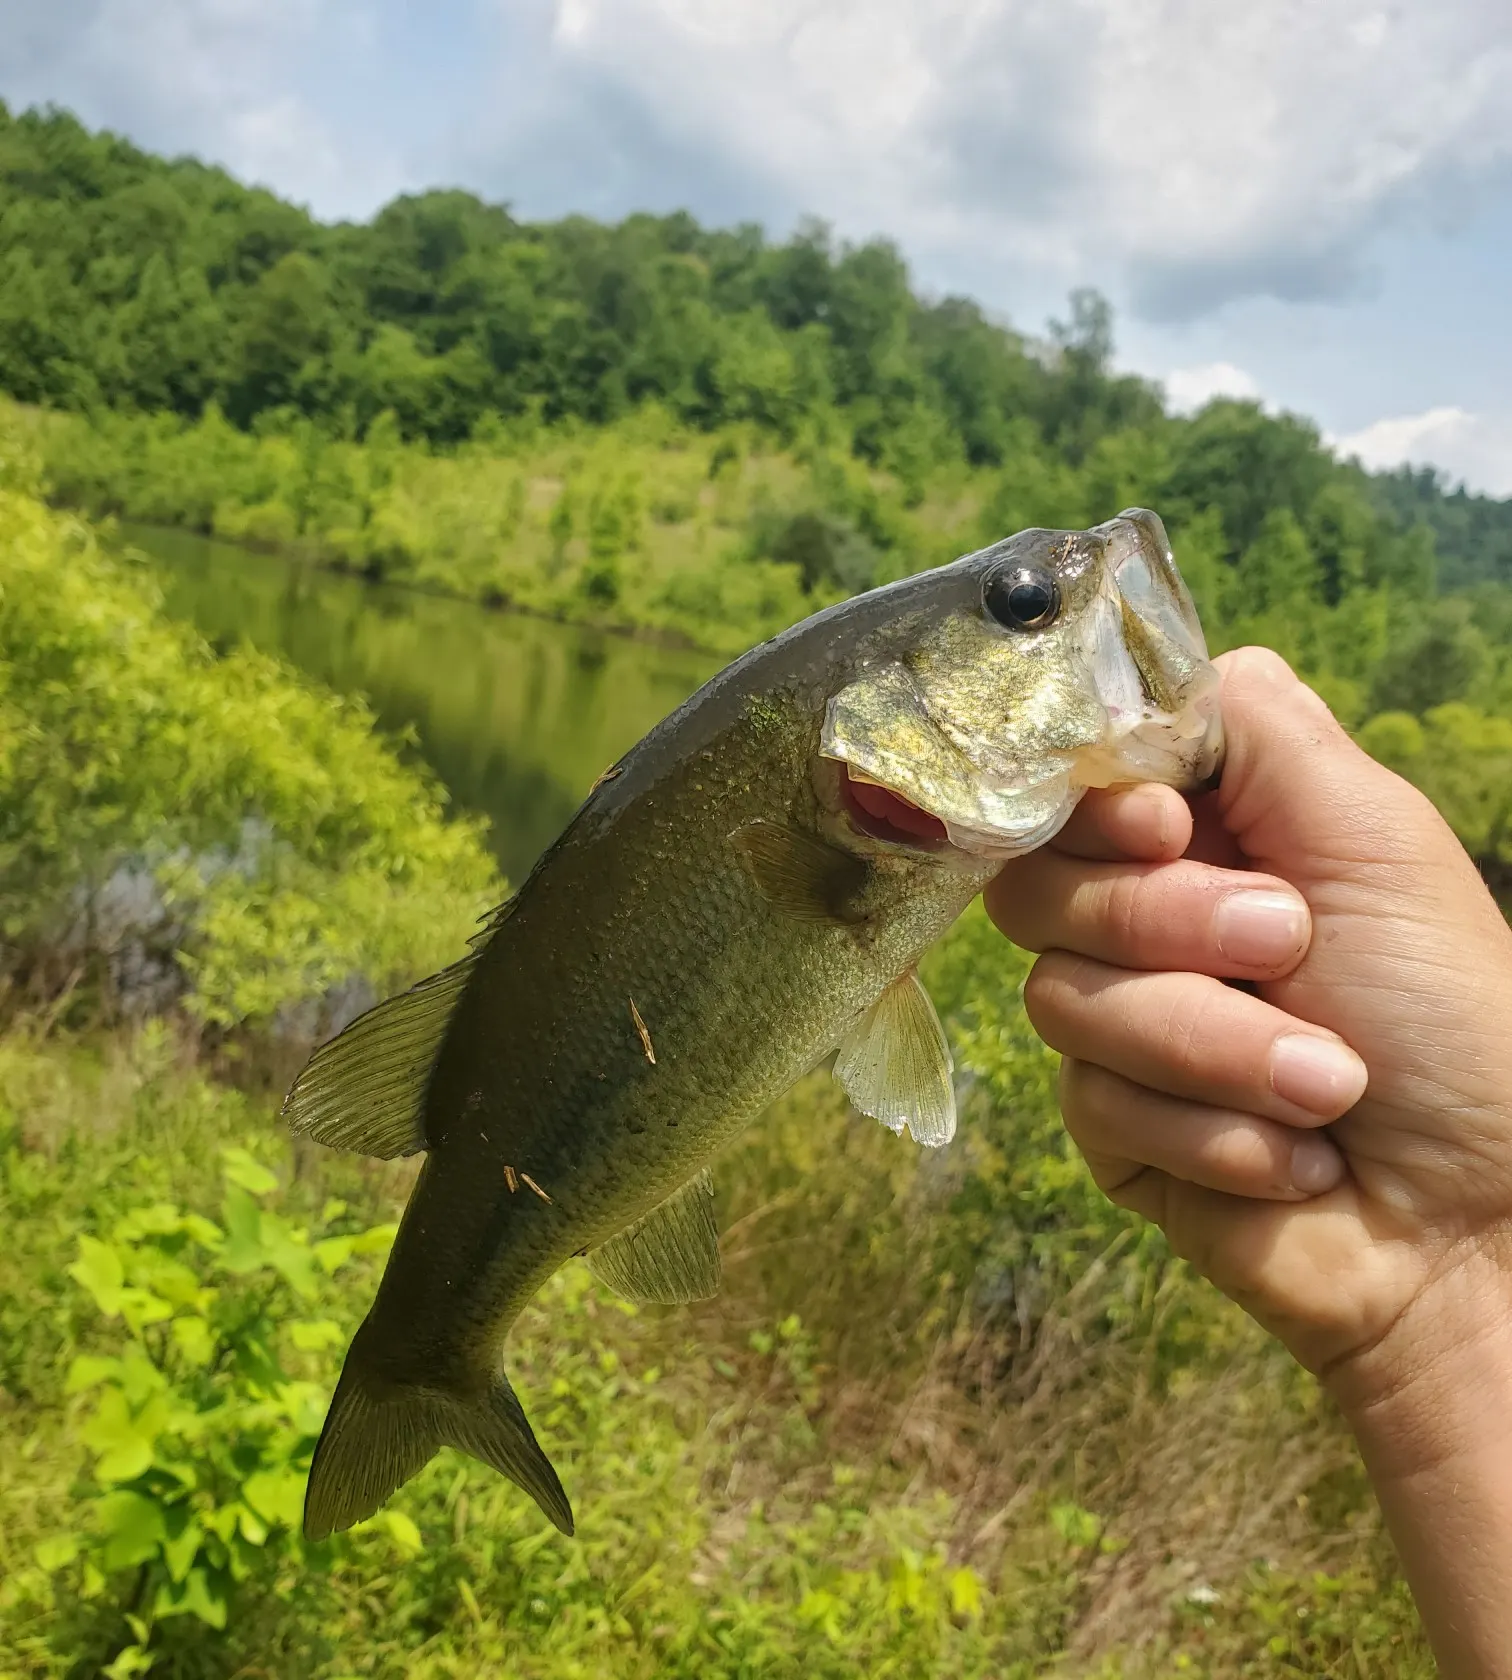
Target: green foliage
x,y
1462,759
755,1495
955,1415
212,822
200,1427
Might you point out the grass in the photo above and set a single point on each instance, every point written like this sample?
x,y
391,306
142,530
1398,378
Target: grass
x,y
826,1470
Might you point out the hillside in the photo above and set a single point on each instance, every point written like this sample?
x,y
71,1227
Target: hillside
x,y
140,284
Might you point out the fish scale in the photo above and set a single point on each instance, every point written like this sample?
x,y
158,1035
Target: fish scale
x,y
720,916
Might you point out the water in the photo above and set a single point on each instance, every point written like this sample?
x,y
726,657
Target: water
x,y
516,715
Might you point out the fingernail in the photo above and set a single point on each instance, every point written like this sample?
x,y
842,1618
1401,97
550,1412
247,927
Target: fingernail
x,y
1316,1165
1257,929
1318,1074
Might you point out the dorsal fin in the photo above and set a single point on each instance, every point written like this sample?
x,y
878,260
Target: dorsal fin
x,y
669,1257
489,924
365,1089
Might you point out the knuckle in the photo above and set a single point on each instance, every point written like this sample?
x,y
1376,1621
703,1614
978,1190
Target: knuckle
x,y
1124,901
1260,668
1238,1152
1041,991
1057,993
1177,1029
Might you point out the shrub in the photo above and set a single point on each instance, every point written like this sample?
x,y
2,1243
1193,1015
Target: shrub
x,y
211,827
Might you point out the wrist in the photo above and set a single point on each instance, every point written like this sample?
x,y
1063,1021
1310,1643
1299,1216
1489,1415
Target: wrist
x,y
1430,1404
1436,1388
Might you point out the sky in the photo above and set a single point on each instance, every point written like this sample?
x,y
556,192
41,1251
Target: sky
x,y
1304,201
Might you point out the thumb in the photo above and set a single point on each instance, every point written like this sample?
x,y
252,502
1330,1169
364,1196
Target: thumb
x,y
1305,802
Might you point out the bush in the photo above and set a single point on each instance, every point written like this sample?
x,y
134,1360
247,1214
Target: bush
x,y
208,827
200,1422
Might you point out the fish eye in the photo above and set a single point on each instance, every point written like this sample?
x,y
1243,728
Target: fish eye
x,y
1022,598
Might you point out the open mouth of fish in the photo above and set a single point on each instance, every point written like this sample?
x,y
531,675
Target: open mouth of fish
x,y
882,813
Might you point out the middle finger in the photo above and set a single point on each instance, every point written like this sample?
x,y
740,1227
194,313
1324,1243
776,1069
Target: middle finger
x,y
1191,1036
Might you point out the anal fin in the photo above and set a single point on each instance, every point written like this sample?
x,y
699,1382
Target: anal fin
x,y
669,1257
895,1064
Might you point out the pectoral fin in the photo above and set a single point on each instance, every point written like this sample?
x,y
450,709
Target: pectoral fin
x,y
801,875
895,1064
669,1257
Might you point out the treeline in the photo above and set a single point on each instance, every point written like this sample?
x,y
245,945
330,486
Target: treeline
x,y
131,282
134,282
654,425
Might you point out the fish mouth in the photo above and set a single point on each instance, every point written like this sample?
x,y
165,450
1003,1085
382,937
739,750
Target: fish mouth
x,y
883,813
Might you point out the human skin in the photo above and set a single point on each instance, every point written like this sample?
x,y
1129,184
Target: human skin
x,y
1331,1144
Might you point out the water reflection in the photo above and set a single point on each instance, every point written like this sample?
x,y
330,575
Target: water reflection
x,y
516,715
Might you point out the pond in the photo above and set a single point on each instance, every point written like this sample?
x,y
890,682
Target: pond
x,y
516,715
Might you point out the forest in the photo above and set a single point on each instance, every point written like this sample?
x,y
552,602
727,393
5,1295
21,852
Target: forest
x,y
952,1416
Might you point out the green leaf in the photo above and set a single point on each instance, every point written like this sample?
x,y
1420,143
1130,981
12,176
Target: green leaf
x,y
58,1551
1074,1525
180,1551
377,1239
311,1335
198,1594
291,1259
333,1252
140,1307
123,1449
132,1527
99,1270
243,1250
134,1660
965,1593
276,1495
403,1532
194,1339
243,1169
88,1370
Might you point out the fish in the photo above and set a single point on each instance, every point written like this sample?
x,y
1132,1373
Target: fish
x,y
745,894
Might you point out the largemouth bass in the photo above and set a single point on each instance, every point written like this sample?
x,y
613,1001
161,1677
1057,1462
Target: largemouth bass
x,y
748,891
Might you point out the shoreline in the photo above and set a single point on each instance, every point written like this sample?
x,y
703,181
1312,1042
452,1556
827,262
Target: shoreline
x,y
114,525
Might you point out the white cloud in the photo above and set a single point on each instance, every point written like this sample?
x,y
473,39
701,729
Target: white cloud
x,y
1178,153
1475,449
1190,388
1195,151
221,77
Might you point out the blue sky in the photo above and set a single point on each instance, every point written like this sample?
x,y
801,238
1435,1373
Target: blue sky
x,y
1306,200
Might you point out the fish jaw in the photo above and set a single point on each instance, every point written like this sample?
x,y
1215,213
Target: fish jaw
x,y
1151,667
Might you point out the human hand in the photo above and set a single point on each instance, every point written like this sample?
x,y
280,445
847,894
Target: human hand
x,y
1381,1003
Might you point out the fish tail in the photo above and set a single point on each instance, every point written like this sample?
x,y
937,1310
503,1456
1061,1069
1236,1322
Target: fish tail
x,y
379,1432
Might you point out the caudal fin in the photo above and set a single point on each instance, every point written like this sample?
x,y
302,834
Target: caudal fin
x,y
378,1433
